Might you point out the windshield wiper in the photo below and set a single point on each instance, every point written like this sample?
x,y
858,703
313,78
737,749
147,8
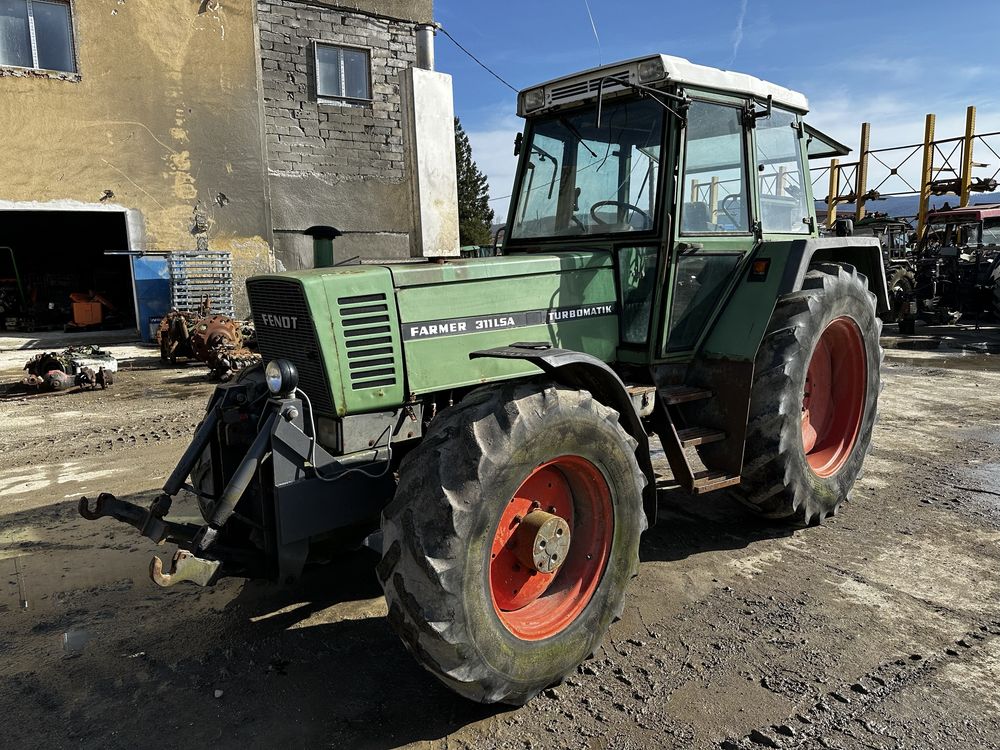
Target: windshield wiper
x,y
572,129
643,91
555,165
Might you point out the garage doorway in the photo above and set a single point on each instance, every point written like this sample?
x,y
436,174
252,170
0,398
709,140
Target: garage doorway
x,y
58,271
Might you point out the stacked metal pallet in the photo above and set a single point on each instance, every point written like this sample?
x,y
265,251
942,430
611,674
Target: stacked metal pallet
x,y
196,276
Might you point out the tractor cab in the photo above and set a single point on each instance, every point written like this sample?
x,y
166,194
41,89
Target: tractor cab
x,y
962,231
679,171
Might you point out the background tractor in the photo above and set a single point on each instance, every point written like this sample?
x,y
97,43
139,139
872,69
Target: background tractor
x,y
955,268
485,421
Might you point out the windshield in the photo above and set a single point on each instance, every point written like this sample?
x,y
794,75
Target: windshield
x,y
953,232
580,179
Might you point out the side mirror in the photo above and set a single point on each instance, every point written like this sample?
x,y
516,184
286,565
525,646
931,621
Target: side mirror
x,y
518,140
845,227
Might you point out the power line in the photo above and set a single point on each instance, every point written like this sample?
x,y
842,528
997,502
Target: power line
x,y
483,65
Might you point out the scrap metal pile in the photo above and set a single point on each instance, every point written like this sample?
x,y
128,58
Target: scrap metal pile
x,y
223,343
83,366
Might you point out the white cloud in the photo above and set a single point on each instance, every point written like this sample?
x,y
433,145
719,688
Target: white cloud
x,y
493,151
738,31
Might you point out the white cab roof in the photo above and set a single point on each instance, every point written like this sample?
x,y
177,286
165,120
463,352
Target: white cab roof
x,y
679,70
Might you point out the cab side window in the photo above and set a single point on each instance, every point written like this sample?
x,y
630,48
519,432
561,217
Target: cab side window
x,y
714,191
783,207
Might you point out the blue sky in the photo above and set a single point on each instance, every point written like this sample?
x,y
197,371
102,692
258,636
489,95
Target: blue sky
x,y
888,62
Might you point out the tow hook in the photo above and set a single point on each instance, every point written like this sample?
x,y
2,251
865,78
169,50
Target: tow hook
x,y
184,567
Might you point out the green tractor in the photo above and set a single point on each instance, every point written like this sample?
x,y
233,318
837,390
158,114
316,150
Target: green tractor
x,y
485,422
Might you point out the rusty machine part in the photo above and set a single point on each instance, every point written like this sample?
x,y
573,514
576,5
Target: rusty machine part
x,y
57,380
87,378
218,342
224,362
215,333
174,335
223,343
42,364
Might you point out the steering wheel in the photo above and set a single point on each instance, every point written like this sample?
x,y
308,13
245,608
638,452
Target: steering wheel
x,y
620,204
728,204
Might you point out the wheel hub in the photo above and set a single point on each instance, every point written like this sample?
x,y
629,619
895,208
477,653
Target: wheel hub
x,y
550,546
833,398
541,541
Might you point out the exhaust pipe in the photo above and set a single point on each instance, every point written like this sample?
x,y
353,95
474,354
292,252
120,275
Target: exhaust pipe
x,y
425,45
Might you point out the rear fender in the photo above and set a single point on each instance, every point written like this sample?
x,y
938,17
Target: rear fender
x,y
864,253
585,372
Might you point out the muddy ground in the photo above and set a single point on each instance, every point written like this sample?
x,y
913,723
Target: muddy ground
x,y
879,629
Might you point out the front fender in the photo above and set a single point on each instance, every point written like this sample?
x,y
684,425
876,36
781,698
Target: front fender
x,y
585,372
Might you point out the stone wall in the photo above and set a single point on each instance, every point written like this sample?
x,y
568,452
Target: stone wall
x,y
335,162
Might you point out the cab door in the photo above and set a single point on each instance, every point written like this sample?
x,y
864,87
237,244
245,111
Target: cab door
x,y
714,228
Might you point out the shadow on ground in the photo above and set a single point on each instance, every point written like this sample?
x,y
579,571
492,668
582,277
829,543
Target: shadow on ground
x,y
315,664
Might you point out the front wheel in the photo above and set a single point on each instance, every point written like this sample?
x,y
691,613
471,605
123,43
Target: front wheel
x,y
512,535
814,399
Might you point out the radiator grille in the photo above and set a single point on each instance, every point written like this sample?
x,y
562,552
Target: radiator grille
x,y
367,329
278,336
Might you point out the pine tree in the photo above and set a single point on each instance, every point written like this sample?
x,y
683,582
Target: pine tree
x,y
474,213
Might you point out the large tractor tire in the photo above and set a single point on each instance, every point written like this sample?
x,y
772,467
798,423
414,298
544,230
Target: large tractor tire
x,y
814,399
511,538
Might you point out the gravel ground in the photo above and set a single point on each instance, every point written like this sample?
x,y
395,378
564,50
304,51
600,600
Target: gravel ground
x,y
879,629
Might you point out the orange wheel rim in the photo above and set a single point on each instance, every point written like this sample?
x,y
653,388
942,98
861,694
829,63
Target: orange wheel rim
x,y
535,605
833,400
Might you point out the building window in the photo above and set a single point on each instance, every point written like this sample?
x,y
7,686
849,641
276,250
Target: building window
x,y
37,34
342,73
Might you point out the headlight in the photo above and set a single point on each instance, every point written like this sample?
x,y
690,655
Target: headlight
x,y
651,70
282,377
533,99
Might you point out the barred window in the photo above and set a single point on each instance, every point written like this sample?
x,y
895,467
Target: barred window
x,y
37,34
342,73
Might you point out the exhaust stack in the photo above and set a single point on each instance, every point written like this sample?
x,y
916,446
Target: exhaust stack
x,y
425,45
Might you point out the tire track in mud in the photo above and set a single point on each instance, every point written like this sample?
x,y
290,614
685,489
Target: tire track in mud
x,y
841,715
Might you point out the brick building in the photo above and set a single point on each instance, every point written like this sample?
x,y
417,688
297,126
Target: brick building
x,y
192,124
333,130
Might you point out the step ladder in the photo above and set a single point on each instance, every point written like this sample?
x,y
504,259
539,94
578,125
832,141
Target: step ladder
x,y
677,436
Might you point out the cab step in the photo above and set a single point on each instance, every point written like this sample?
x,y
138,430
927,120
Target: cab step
x,y
677,438
708,481
681,394
699,436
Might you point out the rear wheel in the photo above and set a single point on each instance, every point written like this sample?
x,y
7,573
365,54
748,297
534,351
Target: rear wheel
x,y
902,283
511,537
814,399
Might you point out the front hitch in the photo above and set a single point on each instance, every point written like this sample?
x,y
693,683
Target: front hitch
x,y
149,521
